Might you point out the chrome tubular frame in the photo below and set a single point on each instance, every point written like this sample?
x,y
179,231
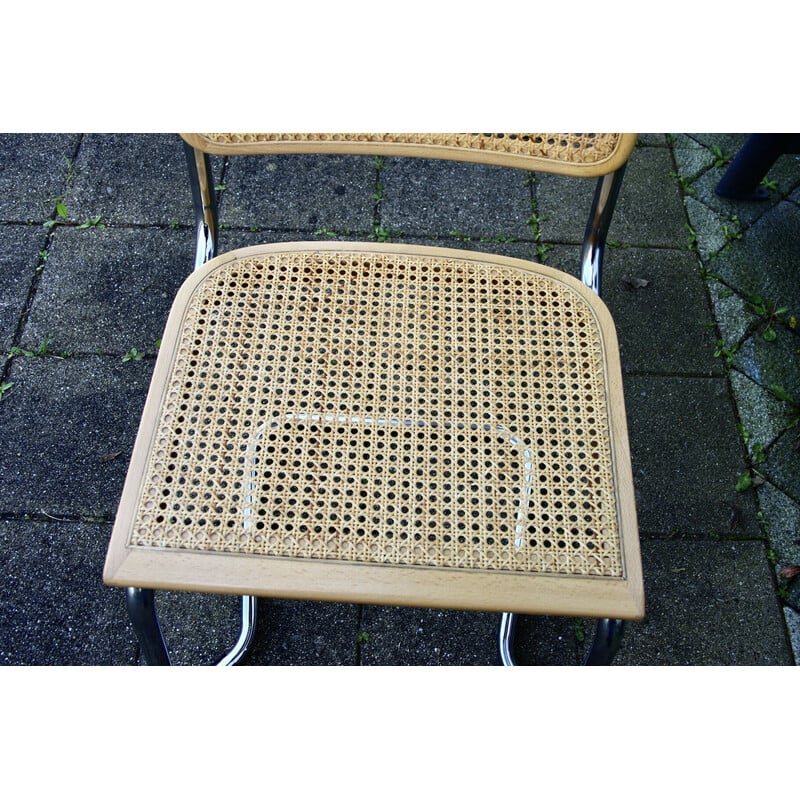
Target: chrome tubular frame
x,y
508,623
609,632
143,614
141,602
142,611
205,204
606,642
594,240
245,640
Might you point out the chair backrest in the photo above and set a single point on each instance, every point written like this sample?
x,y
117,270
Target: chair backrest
x,y
577,154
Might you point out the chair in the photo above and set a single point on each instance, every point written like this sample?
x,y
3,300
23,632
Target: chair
x,y
386,423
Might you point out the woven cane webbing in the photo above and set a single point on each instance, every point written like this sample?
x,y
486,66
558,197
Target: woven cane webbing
x,y
572,153
385,407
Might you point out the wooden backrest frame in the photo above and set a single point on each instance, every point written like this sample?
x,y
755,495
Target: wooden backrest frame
x,y
576,154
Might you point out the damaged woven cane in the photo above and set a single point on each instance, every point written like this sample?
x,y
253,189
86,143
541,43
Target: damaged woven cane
x,y
386,408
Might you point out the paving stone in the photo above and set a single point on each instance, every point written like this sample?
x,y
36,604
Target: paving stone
x,y
793,624
771,363
429,637
765,261
709,228
109,290
233,238
33,172
665,326
440,197
782,517
785,172
728,143
782,522
200,629
551,641
783,464
708,603
68,427
293,632
19,258
301,193
54,608
524,250
691,157
747,212
686,456
133,179
734,320
761,414
648,210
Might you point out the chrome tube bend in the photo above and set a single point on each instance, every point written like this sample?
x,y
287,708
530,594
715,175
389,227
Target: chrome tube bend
x,y
507,630
594,241
606,642
245,640
142,612
205,204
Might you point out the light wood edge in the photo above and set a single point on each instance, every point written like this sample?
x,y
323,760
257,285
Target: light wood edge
x,y
424,587
412,150
243,574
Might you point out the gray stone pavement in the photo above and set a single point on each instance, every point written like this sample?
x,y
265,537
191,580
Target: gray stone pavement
x,y
96,236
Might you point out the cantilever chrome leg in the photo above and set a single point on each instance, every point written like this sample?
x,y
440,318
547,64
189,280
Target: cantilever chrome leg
x,y
507,626
142,611
205,204
605,198
607,638
245,641
205,212
609,632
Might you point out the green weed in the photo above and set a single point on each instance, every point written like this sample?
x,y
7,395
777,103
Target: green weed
x,y
40,351
380,233
62,215
726,352
133,355
496,239
684,183
751,477
770,314
720,158
92,222
733,231
579,629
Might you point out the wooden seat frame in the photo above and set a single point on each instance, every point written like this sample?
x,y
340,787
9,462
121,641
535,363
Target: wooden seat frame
x,y
143,567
